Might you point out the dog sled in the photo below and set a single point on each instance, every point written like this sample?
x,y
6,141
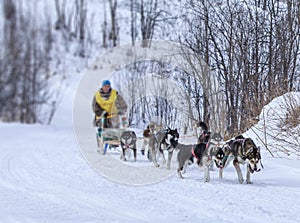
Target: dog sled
x,y
109,138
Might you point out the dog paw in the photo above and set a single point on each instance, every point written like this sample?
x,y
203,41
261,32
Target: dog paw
x,y
149,156
206,180
249,182
180,176
163,162
190,162
143,152
241,181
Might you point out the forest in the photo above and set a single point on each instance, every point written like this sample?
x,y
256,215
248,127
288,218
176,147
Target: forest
x,y
251,47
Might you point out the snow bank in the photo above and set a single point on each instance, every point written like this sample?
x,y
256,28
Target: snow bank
x,y
273,131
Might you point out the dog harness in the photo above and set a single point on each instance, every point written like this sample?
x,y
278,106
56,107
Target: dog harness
x,y
193,153
242,141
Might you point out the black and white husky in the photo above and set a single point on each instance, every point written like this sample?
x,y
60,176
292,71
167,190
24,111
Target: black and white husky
x,y
204,153
242,151
207,152
214,137
204,135
160,142
128,141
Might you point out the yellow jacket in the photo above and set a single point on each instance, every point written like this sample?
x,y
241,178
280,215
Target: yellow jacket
x,y
108,105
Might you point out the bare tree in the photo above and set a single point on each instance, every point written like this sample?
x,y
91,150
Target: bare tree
x,y
104,26
252,46
61,15
152,12
81,17
133,19
25,73
110,27
114,28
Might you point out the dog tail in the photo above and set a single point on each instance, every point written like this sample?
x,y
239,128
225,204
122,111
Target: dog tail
x,y
203,126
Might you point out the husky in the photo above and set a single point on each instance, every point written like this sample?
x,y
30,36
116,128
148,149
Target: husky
x,y
215,138
242,151
150,130
160,142
128,141
204,153
202,137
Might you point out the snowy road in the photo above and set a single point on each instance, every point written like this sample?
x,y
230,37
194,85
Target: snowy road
x,y
44,178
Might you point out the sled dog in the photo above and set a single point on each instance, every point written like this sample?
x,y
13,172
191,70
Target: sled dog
x,y
128,141
215,138
150,130
160,142
242,151
204,153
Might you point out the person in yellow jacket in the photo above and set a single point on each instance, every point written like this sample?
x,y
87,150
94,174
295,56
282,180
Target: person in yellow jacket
x,y
109,102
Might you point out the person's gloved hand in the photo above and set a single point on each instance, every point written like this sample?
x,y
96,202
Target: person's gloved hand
x,y
104,114
98,121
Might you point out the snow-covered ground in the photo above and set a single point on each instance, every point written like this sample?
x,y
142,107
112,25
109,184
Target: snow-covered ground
x,y
45,178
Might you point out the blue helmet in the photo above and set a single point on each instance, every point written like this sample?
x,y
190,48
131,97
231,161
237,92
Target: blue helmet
x,y
105,82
